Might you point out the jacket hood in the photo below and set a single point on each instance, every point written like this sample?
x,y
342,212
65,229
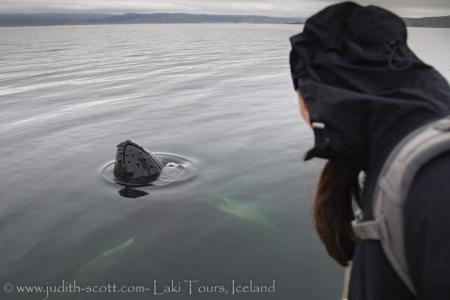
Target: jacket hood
x,y
363,86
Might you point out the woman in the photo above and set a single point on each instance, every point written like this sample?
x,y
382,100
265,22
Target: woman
x,y
362,90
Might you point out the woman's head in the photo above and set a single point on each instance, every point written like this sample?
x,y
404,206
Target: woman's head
x,y
357,76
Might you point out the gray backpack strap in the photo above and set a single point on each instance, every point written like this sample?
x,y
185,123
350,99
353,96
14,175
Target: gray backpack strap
x,y
392,189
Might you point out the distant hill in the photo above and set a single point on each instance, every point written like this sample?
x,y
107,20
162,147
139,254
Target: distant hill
x,y
438,22
48,19
135,18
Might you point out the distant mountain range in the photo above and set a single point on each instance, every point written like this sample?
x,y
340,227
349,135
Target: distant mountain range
x,y
134,18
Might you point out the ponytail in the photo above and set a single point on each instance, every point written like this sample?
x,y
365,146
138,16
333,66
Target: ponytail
x,y
333,212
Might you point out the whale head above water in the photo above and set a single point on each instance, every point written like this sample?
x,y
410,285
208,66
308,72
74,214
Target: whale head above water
x,y
135,165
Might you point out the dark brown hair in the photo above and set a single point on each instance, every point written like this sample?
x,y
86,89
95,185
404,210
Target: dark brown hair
x,y
333,212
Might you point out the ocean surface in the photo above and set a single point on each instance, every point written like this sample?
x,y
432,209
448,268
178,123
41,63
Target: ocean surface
x,y
219,95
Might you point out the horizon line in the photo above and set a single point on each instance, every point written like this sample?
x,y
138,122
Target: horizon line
x,y
186,13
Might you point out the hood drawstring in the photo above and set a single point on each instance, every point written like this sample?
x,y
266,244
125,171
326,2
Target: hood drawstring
x,y
395,46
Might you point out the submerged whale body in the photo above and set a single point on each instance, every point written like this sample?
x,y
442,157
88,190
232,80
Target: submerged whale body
x,y
135,165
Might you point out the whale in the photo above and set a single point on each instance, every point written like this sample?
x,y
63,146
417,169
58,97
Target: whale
x,y
136,165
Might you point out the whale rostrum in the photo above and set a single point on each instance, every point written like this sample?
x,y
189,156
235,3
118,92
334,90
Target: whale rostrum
x,y
135,165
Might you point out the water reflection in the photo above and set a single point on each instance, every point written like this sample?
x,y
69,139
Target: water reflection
x,y
130,192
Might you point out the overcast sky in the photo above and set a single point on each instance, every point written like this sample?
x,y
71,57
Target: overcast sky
x,y
288,8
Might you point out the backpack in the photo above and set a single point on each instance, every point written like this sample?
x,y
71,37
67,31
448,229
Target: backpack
x,y
392,188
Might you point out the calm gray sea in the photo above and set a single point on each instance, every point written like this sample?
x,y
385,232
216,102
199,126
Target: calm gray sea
x,y
219,95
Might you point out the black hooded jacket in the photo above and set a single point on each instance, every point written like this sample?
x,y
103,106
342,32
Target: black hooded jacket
x,y
358,77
